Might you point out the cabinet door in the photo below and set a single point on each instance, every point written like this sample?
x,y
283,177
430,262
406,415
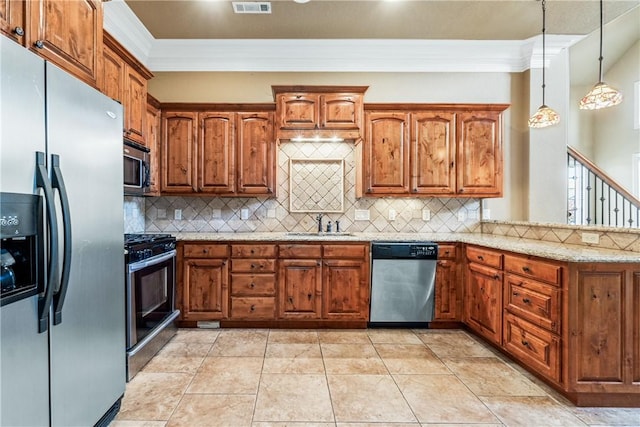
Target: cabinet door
x,y
206,290
345,290
446,291
386,153
340,111
480,154
69,34
13,15
483,301
298,111
216,158
135,105
153,143
113,75
433,153
299,289
178,152
256,154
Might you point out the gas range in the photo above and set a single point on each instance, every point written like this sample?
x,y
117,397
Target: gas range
x,y
138,247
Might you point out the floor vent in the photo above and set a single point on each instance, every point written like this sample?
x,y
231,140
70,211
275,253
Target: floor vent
x,y
251,7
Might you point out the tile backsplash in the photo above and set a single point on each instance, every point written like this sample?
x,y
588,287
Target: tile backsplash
x,y
218,214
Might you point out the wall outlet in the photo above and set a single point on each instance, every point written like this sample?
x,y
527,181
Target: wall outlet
x,y
486,213
216,213
426,215
361,215
462,216
591,238
244,213
392,214
162,214
177,214
271,213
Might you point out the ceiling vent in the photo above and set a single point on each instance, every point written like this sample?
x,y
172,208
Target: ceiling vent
x,y
251,7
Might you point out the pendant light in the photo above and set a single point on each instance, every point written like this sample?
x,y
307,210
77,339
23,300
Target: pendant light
x,y
602,95
544,116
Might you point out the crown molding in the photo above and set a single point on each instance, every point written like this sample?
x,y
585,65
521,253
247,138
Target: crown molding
x,y
329,55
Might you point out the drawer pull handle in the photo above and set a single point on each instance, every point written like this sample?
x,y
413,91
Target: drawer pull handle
x,y
526,269
480,257
525,343
18,31
526,300
252,308
515,294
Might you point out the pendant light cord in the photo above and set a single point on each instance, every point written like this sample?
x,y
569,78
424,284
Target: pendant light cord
x,y
600,58
543,43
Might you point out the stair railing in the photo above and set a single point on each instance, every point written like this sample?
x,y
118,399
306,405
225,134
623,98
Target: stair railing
x,y
594,198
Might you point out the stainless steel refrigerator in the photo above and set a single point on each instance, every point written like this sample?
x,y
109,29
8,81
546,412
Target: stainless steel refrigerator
x,y
63,364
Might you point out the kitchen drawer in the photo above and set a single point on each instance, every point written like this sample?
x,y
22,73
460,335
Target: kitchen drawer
x,y
253,251
484,256
253,284
536,269
300,251
345,251
253,308
447,251
205,251
537,302
253,265
537,348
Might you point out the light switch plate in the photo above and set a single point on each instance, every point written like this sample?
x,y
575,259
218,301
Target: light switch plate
x,y
216,213
362,215
244,213
177,214
426,215
392,214
486,213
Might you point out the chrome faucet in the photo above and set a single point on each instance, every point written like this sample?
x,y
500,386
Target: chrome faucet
x,y
319,219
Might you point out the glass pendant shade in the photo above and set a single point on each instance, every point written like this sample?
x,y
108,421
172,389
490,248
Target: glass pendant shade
x,y
601,96
544,117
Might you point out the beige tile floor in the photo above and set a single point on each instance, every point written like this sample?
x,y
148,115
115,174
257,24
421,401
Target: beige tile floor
x,y
340,378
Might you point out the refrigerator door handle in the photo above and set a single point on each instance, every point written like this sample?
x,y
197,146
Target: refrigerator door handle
x,y
57,182
44,302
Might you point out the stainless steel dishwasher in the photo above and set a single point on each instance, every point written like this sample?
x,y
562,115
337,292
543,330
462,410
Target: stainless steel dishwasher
x,y
402,282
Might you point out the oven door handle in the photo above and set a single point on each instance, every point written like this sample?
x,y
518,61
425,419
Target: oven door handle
x,y
44,302
58,183
136,266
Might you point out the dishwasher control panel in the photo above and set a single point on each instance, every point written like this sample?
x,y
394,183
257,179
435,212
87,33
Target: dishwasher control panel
x,y
404,250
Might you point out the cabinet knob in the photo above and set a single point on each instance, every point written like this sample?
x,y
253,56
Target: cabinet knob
x,y
526,269
253,266
18,31
309,296
525,343
461,190
253,251
480,257
526,300
252,285
204,251
39,44
415,190
269,190
496,277
252,308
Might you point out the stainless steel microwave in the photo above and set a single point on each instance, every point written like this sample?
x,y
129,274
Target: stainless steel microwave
x,y
136,169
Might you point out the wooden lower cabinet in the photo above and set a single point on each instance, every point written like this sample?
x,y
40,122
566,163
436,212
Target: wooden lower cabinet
x,y
206,289
448,292
345,290
300,288
603,355
483,301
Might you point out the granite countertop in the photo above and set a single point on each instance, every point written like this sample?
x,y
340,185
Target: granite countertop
x,y
551,250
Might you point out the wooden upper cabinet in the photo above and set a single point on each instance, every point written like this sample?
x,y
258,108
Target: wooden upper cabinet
x,y
298,111
480,153
433,151
386,153
124,79
153,143
319,111
179,133
256,153
216,157
69,34
13,17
